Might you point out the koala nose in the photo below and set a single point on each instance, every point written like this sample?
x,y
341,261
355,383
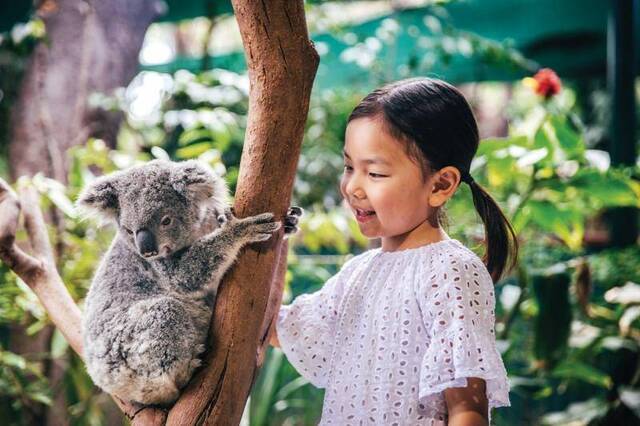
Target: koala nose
x,y
146,243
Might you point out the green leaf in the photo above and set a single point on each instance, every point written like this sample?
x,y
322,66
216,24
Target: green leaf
x,y
13,360
491,145
543,138
59,344
611,189
569,140
55,192
41,397
566,224
263,393
197,134
193,151
631,398
577,370
500,171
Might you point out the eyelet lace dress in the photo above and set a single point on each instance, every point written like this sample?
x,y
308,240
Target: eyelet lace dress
x,y
391,331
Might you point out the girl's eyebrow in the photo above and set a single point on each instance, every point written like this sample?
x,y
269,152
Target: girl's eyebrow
x,y
372,160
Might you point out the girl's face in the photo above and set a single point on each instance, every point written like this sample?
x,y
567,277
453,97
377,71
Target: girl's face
x,y
385,188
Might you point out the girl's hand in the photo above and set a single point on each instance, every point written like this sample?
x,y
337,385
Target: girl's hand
x,y
468,406
273,336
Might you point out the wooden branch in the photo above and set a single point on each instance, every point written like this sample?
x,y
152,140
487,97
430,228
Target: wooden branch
x,y
38,271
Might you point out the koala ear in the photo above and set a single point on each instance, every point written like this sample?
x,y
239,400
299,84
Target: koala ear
x,y
100,198
199,183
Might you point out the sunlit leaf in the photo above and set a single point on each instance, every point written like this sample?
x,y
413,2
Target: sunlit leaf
x,y
626,294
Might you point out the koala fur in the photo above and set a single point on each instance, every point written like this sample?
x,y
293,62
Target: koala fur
x,y
148,310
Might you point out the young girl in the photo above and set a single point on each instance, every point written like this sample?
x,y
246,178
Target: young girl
x,y
404,334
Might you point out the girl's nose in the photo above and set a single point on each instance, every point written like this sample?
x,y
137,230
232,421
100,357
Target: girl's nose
x,y
353,189
359,194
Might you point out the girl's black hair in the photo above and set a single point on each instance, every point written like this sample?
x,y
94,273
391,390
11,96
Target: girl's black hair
x,y
436,122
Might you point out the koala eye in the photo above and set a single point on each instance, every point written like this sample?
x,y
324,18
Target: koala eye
x,y
165,221
129,231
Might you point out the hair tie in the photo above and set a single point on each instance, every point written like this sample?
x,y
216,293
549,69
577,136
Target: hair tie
x,y
467,178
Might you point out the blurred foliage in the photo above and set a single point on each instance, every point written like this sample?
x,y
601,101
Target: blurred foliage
x,y
15,48
583,348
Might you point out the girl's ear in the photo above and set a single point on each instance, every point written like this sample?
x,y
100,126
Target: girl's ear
x,y
100,198
198,183
445,183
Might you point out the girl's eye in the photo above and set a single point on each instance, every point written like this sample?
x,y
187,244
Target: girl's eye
x,y
348,168
165,221
377,175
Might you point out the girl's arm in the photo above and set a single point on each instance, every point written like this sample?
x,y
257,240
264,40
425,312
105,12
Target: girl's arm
x,y
468,406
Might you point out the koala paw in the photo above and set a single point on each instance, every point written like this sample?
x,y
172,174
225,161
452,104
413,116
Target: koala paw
x,y
291,220
226,216
257,228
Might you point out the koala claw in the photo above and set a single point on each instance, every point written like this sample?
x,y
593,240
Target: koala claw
x,y
291,220
295,211
226,216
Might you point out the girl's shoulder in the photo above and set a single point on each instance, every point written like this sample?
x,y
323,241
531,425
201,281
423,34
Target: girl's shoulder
x,y
446,260
440,254
456,253
457,263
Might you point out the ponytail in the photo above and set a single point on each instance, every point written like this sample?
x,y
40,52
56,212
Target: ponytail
x,y
501,253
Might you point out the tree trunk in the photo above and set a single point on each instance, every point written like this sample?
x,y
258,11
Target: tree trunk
x,y
282,64
91,46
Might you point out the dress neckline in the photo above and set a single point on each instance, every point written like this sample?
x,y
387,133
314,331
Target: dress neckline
x,y
416,250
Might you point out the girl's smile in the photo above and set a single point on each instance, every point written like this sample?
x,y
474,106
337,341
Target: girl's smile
x,y
385,188
364,215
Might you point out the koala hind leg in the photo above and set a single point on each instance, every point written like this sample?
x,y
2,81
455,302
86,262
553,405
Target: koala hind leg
x,y
163,350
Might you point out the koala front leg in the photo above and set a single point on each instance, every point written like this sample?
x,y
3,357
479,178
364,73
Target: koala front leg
x,y
205,262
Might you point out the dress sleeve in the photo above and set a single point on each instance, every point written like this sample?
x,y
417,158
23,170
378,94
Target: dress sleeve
x,y
306,328
458,307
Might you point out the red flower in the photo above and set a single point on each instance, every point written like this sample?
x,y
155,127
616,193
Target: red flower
x,y
548,83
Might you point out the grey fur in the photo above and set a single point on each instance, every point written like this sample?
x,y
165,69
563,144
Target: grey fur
x,y
146,319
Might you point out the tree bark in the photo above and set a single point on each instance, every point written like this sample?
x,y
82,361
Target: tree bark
x,y
282,65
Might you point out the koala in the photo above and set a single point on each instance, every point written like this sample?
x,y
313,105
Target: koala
x,y
148,309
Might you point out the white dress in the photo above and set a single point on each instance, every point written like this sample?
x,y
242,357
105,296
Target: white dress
x,y
391,330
